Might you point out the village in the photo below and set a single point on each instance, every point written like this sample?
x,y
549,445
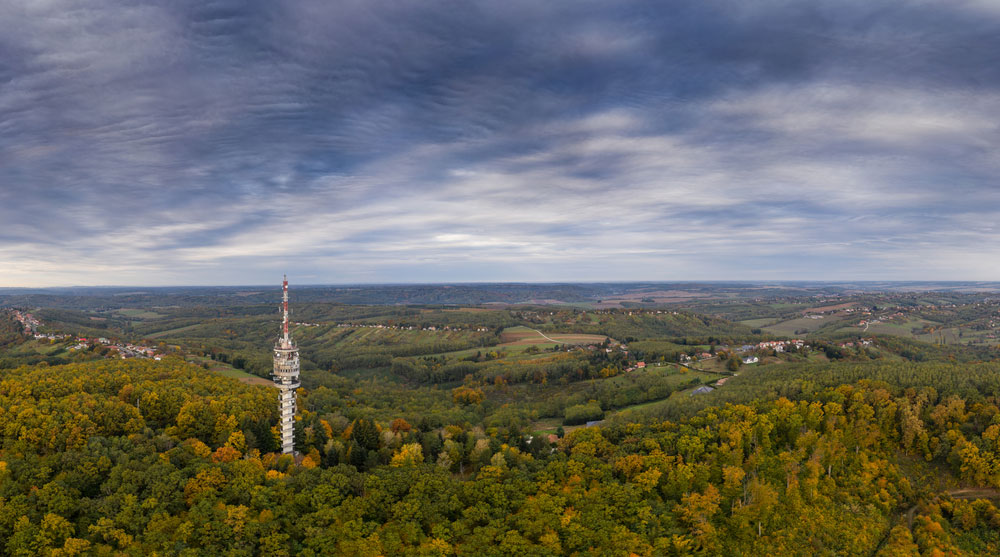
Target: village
x,y
123,350
401,327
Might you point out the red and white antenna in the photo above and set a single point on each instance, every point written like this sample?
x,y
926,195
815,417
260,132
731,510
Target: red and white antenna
x,y
284,304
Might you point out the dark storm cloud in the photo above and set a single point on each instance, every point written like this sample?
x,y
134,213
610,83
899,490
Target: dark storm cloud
x,y
375,139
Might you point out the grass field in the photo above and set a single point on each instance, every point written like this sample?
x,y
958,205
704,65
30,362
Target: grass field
x,y
520,336
42,347
706,378
899,329
137,313
973,337
374,336
671,376
830,307
905,329
551,425
229,371
711,364
171,332
763,322
948,336
789,327
508,349
788,305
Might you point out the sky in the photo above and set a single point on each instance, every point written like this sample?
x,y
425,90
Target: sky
x,y
371,141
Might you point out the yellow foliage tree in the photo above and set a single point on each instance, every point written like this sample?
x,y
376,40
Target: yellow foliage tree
x,y
408,454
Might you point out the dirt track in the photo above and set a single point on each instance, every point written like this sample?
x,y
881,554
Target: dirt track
x,y
965,493
529,337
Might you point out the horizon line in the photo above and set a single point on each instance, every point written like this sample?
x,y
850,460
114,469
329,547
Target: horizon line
x,y
515,282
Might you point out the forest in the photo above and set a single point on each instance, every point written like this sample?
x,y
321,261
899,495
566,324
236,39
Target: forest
x,y
456,430
145,457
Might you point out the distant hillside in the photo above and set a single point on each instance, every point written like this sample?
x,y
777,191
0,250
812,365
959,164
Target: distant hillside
x,y
609,294
644,324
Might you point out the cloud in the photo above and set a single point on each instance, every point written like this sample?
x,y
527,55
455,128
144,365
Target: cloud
x,y
226,142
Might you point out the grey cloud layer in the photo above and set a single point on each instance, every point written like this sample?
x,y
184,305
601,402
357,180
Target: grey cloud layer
x,y
224,142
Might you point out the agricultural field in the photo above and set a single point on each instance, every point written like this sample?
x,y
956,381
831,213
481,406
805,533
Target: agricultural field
x,y
137,313
937,335
829,308
520,336
793,327
908,328
900,328
377,336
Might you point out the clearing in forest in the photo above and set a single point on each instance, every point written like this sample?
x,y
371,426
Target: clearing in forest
x,y
229,371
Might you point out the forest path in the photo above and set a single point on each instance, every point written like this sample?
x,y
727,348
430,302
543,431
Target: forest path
x,y
964,493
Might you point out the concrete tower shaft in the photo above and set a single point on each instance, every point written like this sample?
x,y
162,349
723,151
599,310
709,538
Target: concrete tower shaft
x,y
286,377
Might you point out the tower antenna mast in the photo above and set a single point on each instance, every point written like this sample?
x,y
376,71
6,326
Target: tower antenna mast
x,y
284,307
286,376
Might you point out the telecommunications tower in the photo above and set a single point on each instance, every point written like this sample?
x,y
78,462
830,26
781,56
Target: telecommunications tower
x,y
286,377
